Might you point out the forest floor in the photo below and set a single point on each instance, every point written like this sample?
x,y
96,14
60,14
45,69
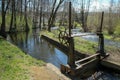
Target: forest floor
x,y
16,65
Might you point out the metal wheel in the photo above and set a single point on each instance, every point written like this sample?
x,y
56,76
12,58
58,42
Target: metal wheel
x,y
63,38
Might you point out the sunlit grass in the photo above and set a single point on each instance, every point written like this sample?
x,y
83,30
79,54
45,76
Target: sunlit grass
x,y
85,46
14,64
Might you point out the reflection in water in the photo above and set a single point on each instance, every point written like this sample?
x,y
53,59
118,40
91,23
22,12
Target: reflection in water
x,y
32,44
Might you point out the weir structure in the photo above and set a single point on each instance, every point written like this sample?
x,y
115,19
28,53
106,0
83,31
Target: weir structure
x,y
82,66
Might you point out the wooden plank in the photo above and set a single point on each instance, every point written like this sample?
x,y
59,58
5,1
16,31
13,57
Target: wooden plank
x,y
80,35
87,58
87,64
77,65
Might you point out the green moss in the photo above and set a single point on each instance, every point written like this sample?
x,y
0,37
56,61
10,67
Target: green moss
x,y
14,64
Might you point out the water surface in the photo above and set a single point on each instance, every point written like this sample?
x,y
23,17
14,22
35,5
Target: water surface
x,y
32,44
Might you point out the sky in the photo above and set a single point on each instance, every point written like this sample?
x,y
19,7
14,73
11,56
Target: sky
x,y
100,5
95,5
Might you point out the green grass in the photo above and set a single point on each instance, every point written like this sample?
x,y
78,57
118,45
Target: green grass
x,y
14,64
108,36
112,37
85,46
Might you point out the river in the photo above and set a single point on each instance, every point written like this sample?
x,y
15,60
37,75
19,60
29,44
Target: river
x,y
32,44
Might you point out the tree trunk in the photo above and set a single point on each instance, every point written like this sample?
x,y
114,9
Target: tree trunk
x,y
84,15
25,16
40,21
13,18
53,14
110,28
21,10
12,15
3,26
50,18
33,14
11,23
43,19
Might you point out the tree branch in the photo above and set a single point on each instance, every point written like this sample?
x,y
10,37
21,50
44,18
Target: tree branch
x,y
8,2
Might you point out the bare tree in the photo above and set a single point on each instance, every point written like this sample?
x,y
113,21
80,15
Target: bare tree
x,y
84,14
13,17
53,13
4,10
25,17
40,11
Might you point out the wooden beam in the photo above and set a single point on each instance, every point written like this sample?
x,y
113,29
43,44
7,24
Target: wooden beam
x,y
71,56
70,27
86,58
80,35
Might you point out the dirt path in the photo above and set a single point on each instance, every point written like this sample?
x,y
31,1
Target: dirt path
x,y
48,72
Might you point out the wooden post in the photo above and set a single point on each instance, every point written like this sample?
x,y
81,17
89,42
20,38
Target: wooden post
x,y
101,38
40,17
71,57
70,27
101,25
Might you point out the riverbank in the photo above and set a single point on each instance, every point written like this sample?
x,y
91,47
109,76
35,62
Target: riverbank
x,y
16,65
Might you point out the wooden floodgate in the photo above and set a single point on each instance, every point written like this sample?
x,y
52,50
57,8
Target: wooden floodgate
x,y
87,64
